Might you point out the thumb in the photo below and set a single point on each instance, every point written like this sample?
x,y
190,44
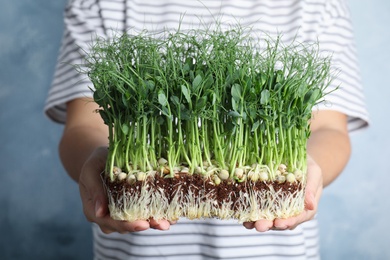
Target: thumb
x,y
94,199
309,200
101,208
99,196
313,185
93,194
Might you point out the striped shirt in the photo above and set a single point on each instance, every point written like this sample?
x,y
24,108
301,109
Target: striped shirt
x,y
326,21
209,239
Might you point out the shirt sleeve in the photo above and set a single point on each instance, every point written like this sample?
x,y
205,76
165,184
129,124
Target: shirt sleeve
x,y
336,38
82,24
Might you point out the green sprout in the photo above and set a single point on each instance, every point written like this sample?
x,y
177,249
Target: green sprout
x,y
209,102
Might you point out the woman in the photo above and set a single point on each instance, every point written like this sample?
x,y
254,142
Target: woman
x,y
83,147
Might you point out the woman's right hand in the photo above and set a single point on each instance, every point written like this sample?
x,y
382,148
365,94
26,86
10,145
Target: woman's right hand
x,y
95,202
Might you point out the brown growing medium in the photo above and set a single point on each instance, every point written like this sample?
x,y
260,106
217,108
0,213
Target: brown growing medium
x,y
227,193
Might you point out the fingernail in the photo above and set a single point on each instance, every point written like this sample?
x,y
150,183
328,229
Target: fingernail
x,y
165,227
311,202
97,207
280,227
138,228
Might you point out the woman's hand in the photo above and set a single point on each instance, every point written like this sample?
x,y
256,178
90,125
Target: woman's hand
x,y
95,202
313,193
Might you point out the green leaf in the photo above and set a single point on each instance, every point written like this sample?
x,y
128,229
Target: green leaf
x,y
234,105
125,99
104,116
263,79
244,117
228,80
160,120
264,97
162,98
248,83
125,129
252,112
312,96
160,80
301,89
234,114
255,126
165,112
201,103
185,114
97,95
150,85
189,62
209,82
278,86
214,98
186,68
186,93
279,76
236,92
196,82
175,100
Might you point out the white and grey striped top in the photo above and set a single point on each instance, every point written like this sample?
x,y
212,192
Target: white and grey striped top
x,y
327,21
209,239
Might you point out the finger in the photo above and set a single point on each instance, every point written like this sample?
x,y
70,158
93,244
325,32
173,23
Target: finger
x,y
313,193
314,185
159,224
91,187
88,203
172,222
289,223
249,225
101,209
109,225
93,198
293,222
95,206
310,202
263,225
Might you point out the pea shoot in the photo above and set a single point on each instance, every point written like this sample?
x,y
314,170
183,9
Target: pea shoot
x,y
206,122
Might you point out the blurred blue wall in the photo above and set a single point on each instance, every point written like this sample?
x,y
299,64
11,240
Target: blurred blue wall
x,y
40,211
354,212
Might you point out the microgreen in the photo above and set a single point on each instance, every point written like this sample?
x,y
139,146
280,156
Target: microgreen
x,y
202,98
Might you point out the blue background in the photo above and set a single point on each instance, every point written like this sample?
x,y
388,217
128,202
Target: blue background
x,y
40,210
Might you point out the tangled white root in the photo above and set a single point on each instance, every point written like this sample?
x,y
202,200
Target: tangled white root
x,y
250,206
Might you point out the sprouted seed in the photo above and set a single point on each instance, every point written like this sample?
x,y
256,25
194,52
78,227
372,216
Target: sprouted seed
x,y
207,102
